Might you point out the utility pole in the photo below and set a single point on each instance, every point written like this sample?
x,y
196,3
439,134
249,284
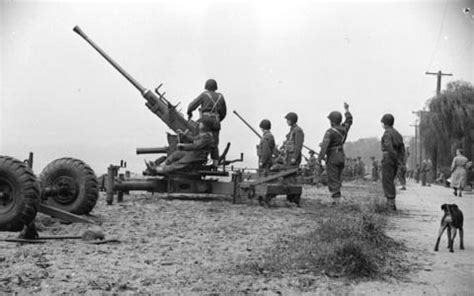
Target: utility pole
x,y
438,83
420,113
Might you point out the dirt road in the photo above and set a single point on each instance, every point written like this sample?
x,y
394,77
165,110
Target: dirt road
x,y
417,224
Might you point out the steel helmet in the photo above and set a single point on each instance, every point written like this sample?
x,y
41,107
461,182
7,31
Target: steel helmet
x,y
211,85
388,119
292,117
335,117
265,124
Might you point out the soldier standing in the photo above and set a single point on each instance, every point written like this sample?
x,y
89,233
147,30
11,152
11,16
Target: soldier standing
x,y
266,147
213,107
393,151
332,146
294,141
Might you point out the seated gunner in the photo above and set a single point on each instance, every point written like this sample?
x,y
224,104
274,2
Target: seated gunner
x,y
188,154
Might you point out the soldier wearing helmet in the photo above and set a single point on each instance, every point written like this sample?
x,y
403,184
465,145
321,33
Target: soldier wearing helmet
x,y
294,141
393,150
332,147
266,147
187,154
213,107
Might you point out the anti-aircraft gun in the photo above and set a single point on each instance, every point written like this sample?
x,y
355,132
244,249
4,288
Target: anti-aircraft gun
x,y
197,181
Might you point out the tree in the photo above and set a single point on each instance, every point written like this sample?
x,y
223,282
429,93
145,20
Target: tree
x,y
449,123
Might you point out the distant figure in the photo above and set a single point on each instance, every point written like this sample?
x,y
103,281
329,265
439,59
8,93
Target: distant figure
x,y
429,172
375,169
360,167
266,147
294,141
393,151
332,147
424,171
417,173
213,107
313,167
458,172
402,171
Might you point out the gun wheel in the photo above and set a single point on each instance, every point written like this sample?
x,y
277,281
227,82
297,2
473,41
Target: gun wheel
x,y
19,194
71,185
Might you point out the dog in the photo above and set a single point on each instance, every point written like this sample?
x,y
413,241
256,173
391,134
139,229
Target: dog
x,y
452,220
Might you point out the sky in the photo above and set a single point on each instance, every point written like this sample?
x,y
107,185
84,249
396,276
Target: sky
x,y
60,98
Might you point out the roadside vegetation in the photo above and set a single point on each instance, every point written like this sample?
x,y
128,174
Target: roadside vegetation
x,y
349,243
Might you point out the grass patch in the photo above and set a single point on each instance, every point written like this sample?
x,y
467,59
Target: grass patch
x,y
350,242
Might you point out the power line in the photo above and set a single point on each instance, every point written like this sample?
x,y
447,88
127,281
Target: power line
x,y
439,34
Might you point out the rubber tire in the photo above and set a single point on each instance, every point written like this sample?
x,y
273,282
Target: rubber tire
x,y
26,196
85,180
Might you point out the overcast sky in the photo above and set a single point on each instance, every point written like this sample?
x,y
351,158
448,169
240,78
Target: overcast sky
x,y
60,98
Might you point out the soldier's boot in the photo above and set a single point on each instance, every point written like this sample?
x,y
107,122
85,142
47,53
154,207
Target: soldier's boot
x,y
297,200
336,198
150,168
391,204
159,161
215,164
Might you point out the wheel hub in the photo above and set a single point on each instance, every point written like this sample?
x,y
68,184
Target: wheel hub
x,y
65,189
7,192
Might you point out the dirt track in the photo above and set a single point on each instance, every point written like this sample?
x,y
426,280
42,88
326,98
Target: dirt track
x,y
193,247
417,224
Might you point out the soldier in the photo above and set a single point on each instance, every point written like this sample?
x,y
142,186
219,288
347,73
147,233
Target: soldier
x,y
190,153
375,169
214,108
313,167
266,147
424,169
332,146
402,171
393,151
294,141
360,167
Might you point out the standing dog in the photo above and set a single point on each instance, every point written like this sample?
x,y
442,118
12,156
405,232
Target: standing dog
x,y
452,220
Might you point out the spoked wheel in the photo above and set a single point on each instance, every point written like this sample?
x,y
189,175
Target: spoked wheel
x,y
71,185
19,194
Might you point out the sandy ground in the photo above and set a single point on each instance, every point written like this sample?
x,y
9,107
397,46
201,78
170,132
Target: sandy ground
x,y
194,247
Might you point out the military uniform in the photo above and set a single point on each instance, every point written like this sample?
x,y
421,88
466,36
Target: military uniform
x,y
265,151
393,151
332,146
375,170
402,171
293,146
213,107
189,154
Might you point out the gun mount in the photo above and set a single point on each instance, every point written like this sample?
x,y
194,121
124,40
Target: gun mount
x,y
197,180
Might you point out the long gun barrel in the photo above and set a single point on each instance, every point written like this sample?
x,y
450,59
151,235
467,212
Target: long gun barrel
x,y
247,124
155,102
